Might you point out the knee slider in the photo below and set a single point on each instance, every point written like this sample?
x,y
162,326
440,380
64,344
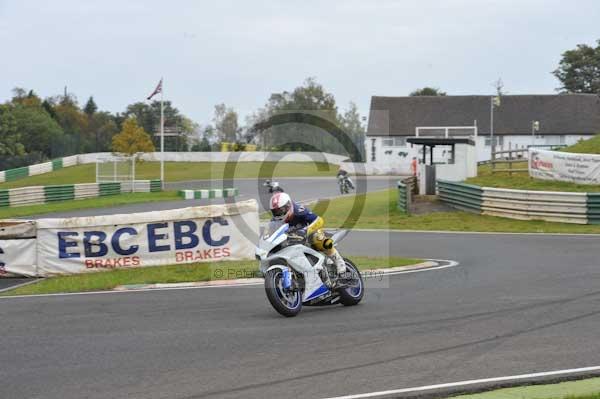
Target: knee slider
x,y
328,243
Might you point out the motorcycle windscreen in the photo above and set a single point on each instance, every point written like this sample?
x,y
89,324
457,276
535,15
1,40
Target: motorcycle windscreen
x,y
275,229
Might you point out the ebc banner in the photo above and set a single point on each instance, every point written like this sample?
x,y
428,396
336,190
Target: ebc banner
x,y
18,257
189,235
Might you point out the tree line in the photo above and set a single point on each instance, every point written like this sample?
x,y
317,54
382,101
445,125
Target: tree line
x,y
33,129
310,98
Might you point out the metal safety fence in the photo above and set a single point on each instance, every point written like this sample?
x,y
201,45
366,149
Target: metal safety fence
x,y
36,195
406,188
552,206
37,169
463,196
403,198
208,193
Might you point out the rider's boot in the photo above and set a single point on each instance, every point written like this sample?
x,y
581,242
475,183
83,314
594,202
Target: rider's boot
x,y
340,264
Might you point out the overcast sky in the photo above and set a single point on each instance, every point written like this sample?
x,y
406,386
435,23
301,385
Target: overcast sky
x,y
239,52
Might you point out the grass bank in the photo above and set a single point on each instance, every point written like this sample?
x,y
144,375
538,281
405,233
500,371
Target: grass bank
x,y
90,203
377,210
589,146
181,171
522,181
107,280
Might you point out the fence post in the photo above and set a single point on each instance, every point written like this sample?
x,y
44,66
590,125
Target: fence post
x,y
510,158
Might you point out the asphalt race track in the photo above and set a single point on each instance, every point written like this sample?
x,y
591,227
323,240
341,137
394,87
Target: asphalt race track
x,y
301,189
516,304
9,282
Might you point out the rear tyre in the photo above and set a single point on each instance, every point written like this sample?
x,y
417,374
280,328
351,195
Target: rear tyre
x,y
287,303
353,294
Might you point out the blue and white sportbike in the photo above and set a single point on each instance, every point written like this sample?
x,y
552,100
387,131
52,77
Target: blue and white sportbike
x,y
297,275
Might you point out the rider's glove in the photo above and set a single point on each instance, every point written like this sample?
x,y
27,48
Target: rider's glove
x,y
301,232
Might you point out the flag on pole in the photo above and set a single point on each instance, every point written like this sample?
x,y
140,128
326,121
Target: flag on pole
x,y
157,90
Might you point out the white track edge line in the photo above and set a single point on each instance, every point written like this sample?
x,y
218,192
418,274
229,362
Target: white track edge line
x,y
468,382
474,232
451,263
14,287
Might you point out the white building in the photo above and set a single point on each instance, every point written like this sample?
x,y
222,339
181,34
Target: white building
x,y
563,119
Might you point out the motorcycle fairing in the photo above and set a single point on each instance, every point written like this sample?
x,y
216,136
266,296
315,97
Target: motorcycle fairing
x,y
296,258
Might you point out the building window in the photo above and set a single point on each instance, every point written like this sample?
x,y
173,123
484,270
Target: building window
x,y
451,154
400,141
373,149
498,140
554,140
394,142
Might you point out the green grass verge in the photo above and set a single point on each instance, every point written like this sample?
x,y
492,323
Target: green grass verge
x,y
379,212
583,389
522,181
107,280
589,146
99,202
181,171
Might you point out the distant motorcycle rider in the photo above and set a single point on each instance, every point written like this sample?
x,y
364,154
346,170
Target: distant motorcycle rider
x,y
273,186
303,220
343,173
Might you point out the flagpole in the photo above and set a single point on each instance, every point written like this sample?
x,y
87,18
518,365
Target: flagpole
x,y
162,136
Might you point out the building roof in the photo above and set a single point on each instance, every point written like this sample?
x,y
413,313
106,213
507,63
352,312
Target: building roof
x,y
433,141
558,114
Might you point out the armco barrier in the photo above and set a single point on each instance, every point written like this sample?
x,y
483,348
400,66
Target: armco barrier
x,y
552,206
155,185
404,194
208,193
4,198
463,196
46,194
411,184
37,169
109,189
535,205
593,208
15,174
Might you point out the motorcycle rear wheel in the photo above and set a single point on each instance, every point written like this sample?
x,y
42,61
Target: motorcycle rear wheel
x,y
286,303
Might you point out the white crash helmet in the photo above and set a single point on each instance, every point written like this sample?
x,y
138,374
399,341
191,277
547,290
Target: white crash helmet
x,y
282,207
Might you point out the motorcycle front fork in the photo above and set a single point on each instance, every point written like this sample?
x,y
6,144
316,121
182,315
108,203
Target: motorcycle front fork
x,y
287,279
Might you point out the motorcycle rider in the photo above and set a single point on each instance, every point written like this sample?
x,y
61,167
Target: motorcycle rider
x,y
306,223
342,172
273,186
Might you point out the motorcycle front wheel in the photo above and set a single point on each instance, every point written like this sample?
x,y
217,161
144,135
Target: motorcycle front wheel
x,y
344,188
286,302
354,292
